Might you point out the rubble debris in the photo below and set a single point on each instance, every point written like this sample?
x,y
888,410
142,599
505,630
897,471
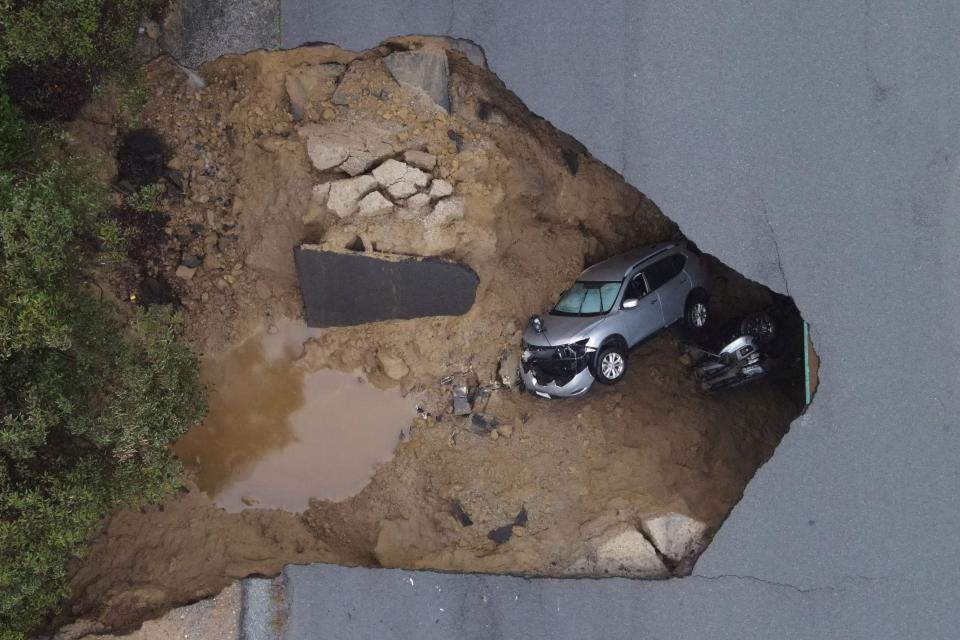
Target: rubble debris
x,y
424,70
522,517
392,366
420,159
482,423
445,212
620,550
352,147
501,534
309,85
374,204
456,138
345,195
677,537
456,508
508,368
343,288
440,188
185,273
400,179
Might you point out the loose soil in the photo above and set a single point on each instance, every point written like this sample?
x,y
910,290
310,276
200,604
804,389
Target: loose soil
x,y
539,209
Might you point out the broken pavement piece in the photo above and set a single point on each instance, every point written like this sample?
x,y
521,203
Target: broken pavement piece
x,y
400,179
420,159
619,550
458,512
482,423
422,70
461,402
344,288
440,188
677,537
522,517
352,147
374,204
345,195
501,534
445,212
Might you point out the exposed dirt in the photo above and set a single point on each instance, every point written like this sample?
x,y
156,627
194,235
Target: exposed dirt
x,y
538,208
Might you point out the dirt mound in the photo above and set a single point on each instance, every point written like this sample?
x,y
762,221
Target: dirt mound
x,y
276,149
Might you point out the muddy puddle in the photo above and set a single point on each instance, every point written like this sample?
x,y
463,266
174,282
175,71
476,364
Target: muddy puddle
x,y
277,435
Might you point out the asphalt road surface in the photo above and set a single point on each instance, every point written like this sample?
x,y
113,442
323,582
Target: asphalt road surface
x,y
813,146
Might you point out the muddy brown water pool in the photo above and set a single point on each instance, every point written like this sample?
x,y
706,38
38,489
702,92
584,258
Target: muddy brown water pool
x,y
277,435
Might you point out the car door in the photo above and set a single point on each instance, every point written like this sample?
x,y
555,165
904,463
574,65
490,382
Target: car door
x,y
667,278
646,317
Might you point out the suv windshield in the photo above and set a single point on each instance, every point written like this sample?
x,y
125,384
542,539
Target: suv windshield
x,y
587,299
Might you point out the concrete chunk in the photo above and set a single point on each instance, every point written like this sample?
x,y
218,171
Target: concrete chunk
x,y
424,70
348,288
420,159
445,212
440,189
400,179
374,204
345,195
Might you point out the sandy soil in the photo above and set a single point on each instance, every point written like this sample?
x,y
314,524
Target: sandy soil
x,y
538,209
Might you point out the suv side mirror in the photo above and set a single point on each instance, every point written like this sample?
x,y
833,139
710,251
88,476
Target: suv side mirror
x,y
630,303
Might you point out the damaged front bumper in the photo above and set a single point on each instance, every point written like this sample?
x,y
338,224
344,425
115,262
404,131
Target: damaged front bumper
x,y
557,372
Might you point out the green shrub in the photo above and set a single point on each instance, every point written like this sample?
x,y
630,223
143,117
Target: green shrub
x,y
89,33
88,404
146,198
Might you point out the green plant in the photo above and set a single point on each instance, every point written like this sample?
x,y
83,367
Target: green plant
x,y
88,404
133,98
90,33
146,198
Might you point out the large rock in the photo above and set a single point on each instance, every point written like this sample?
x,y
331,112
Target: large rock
x,y
420,159
374,204
309,85
352,147
423,70
345,195
392,366
445,212
676,536
619,550
400,179
343,288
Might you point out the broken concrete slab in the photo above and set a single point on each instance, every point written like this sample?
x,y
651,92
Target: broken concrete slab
x,y
423,70
352,147
345,195
400,179
374,204
676,536
348,288
619,550
420,159
445,212
440,188
309,85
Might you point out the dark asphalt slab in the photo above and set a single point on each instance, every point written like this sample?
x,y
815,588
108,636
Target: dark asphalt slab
x,y
814,147
349,288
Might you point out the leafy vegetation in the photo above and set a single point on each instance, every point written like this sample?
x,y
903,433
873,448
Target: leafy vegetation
x,y
86,33
88,402
146,198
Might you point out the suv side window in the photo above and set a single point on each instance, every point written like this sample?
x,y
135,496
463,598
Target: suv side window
x,y
637,287
659,273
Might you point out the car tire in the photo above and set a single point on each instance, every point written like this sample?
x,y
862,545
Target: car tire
x,y
696,312
611,365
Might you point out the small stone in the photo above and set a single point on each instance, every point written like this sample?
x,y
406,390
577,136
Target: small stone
x,y
420,159
505,430
185,272
329,114
494,435
374,204
248,501
501,534
192,261
509,366
456,508
482,423
392,366
440,189
273,330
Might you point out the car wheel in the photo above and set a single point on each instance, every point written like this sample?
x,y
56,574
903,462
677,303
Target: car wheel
x,y
611,365
696,314
761,326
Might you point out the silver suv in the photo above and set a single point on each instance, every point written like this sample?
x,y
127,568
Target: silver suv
x,y
611,308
